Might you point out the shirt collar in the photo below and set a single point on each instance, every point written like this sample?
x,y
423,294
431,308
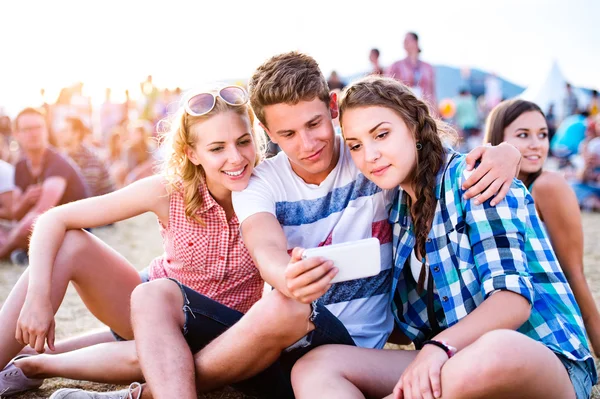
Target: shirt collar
x,y
208,202
400,205
449,152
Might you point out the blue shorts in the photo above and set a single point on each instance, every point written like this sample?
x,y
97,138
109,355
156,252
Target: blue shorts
x,y
580,375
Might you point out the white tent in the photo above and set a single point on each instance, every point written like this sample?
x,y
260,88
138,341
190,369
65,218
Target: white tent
x,y
551,90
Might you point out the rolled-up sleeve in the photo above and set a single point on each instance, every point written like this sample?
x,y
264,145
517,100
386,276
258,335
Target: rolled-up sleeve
x,y
497,235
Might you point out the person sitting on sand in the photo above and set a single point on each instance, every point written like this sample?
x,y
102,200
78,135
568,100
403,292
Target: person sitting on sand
x,y
477,287
213,150
522,124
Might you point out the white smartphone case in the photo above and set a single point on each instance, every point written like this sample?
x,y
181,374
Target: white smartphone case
x,y
354,259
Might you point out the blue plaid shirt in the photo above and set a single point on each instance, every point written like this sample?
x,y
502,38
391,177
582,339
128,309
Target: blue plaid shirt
x,y
476,250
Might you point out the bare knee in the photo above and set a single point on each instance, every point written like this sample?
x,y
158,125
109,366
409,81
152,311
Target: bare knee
x,y
73,245
162,296
282,316
492,361
315,366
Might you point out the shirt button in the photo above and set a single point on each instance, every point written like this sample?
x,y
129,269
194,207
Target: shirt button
x,y
190,244
436,269
221,258
445,299
429,240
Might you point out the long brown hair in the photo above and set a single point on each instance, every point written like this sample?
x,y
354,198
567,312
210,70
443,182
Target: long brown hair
x,y
503,115
389,93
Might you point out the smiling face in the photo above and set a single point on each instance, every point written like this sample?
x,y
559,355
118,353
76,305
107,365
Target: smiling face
x,y
304,131
382,146
225,149
529,134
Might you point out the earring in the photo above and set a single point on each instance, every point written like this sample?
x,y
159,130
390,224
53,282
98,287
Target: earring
x,y
419,146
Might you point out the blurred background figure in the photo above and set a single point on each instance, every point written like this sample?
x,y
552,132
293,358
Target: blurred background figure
x,y
551,120
417,74
115,155
43,179
594,106
376,68
71,140
568,137
467,120
587,183
111,114
571,106
493,91
334,82
139,153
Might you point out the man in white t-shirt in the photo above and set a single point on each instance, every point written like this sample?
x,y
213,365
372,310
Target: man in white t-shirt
x,y
7,186
309,195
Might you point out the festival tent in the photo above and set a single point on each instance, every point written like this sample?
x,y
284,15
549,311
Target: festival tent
x,y
551,90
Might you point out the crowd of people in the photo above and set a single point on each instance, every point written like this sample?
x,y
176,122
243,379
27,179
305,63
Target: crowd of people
x,y
481,264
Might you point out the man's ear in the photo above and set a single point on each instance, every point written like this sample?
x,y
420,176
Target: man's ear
x,y
189,152
271,137
333,105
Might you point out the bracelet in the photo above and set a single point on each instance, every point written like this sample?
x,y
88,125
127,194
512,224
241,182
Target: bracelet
x,y
449,349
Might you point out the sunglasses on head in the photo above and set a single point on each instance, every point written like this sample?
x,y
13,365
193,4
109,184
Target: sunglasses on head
x,y
199,104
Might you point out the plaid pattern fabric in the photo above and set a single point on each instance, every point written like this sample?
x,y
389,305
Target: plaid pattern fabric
x,y
476,250
210,259
93,170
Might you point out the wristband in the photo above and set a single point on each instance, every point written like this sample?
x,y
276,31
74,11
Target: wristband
x,y
449,349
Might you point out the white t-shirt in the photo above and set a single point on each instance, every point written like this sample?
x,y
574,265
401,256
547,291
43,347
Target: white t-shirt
x,y
346,206
7,177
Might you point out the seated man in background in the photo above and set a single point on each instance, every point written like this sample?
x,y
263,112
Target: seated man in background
x,y
43,179
93,169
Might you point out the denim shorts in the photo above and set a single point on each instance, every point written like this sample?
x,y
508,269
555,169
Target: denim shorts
x,y
206,319
580,375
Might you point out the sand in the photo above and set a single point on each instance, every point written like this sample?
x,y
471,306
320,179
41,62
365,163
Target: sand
x,y
139,241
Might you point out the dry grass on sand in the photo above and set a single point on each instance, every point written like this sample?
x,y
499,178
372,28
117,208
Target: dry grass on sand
x,y
138,240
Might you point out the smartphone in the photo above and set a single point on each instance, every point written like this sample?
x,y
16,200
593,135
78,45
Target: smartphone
x,y
354,259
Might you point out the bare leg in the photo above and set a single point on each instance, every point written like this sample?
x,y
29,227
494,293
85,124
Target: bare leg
x,y
71,344
501,364
113,363
103,278
253,343
338,371
160,342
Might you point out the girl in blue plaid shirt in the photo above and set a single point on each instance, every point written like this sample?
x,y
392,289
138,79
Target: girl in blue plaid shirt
x,y
477,288
523,124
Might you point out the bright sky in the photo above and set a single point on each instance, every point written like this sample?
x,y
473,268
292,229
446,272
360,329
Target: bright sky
x,y
116,44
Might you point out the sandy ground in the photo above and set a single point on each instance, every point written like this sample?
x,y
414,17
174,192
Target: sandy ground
x,y
139,241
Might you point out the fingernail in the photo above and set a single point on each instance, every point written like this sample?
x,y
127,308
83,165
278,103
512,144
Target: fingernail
x,y
436,394
476,202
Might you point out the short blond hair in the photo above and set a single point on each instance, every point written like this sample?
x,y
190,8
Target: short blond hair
x,y
286,79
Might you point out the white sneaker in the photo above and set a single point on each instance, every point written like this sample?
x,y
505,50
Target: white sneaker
x,y
69,393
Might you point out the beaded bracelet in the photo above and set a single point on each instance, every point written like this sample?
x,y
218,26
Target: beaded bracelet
x,y
449,349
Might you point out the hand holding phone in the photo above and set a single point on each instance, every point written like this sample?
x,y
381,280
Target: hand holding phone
x,y
308,279
354,259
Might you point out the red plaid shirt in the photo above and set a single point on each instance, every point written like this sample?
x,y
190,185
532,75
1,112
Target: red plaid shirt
x,y
210,259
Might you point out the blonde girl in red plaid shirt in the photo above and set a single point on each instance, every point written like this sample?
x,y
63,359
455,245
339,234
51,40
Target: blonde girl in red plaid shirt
x,y
212,149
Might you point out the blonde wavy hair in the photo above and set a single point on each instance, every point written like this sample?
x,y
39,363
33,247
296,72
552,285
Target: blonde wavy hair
x,y
176,134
